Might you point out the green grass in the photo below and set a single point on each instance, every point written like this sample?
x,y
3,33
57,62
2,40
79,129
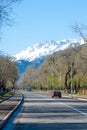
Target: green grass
x,y
6,95
78,94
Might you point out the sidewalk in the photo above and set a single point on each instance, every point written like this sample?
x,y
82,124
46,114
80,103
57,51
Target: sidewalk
x,y
7,107
83,97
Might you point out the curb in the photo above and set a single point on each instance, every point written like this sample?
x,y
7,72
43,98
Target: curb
x,y
5,119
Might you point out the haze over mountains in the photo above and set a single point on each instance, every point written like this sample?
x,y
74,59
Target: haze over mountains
x,y
36,53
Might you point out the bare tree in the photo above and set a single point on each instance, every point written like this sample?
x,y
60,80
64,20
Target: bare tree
x,y
8,72
69,57
80,30
5,11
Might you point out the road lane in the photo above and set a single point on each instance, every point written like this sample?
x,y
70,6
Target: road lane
x,y
41,112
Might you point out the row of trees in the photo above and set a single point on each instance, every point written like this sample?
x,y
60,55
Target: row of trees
x,y
62,70
8,70
8,73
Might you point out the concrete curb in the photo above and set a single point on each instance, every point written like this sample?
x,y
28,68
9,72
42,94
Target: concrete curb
x,y
5,119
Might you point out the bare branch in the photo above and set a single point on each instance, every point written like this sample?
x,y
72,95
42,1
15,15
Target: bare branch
x,y
80,30
6,10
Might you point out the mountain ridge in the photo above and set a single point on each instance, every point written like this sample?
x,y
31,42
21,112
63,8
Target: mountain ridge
x,y
36,53
40,49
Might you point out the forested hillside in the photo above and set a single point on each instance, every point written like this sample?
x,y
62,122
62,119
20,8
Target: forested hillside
x,y
62,70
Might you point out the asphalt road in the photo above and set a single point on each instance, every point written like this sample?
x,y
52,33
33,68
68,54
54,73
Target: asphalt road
x,y
41,112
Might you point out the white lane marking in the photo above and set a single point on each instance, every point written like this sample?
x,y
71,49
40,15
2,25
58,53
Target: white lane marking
x,y
83,113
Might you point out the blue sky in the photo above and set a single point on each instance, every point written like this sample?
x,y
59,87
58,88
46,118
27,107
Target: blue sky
x,y
40,20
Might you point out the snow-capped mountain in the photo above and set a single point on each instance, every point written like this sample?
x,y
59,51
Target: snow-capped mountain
x,y
36,53
40,49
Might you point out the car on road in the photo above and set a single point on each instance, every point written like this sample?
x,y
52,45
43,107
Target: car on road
x,y
56,93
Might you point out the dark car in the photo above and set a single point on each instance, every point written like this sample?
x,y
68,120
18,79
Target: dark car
x,y
56,93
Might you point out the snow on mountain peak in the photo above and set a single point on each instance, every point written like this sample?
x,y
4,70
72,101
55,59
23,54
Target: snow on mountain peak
x,y
40,49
